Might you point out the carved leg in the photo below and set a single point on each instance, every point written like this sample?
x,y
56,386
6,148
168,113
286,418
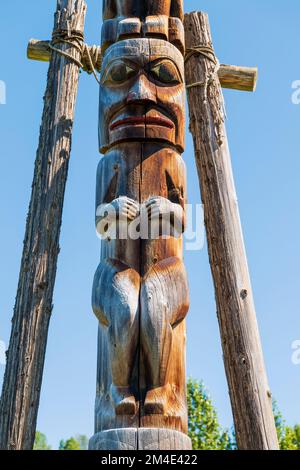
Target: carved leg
x,y
116,305
164,303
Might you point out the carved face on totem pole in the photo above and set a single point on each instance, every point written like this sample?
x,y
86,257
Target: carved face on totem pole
x,y
142,93
140,292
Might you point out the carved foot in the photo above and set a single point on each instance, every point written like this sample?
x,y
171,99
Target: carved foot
x,y
156,401
126,407
124,401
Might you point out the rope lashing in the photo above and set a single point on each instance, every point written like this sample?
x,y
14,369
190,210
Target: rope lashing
x,y
208,52
90,57
94,57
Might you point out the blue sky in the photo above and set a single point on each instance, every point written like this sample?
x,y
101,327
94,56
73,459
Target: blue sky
x,y
263,131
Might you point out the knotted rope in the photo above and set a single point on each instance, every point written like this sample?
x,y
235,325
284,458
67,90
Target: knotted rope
x,y
89,57
208,52
218,113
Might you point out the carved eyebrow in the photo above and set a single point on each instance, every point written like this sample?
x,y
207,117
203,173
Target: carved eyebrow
x,y
134,59
162,58
123,59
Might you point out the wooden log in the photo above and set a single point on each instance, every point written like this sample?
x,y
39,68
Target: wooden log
x,y
33,307
230,76
247,380
238,78
40,50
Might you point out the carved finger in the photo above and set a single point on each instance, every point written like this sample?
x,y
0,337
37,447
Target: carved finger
x,y
132,207
127,213
133,203
131,215
131,218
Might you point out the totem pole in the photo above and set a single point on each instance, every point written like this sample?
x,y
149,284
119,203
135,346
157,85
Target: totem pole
x,y
140,291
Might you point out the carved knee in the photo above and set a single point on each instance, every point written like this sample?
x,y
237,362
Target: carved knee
x,y
165,292
115,297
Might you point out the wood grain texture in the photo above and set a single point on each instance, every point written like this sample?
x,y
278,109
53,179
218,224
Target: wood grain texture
x,y
33,307
39,50
156,108
140,297
140,439
115,439
140,291
162,439
238,78
161,19
230,76
119,8
248,386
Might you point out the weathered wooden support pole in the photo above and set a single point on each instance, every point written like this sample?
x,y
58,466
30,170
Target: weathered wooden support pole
x,y
33,307
248,386
230,76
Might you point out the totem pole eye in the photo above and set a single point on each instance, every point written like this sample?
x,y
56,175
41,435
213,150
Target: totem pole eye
x,y
119,72
166,72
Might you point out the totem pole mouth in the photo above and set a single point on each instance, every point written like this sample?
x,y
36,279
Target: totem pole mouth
x,y
143,123
143,120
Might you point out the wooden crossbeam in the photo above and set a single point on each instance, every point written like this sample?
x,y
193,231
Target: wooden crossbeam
x,y
230,76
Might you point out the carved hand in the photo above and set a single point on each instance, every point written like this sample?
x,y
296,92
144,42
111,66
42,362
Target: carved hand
x,y
122,208
158,206
127,209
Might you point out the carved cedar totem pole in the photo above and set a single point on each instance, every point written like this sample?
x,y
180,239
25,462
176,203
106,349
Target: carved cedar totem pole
x,y
140,291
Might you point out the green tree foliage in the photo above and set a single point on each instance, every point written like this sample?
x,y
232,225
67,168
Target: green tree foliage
x,y
289,437
79,442
40,442
83,441
69,444
204,428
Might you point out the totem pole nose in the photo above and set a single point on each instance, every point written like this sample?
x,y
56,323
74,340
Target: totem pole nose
x,y
141,90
